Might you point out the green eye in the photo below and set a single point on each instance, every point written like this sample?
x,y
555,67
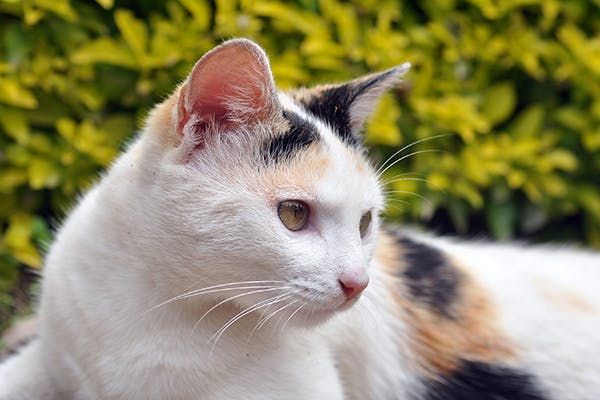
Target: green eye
x,y
365,223
293,214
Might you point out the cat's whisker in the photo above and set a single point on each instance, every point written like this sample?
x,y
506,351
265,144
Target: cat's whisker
x,y
390,207
263,320
407,147
260,319
206,289
199,292
414,153
273,314
282,315
406,174
389,201
397,179
426,200
261,304
383,183
292,315
235,297
404,179
217,335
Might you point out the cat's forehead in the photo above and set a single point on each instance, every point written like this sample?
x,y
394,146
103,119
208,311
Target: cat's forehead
x,y
312,137
305,131
306,154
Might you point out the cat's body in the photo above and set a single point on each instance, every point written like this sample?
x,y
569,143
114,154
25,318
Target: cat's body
x,y
184,209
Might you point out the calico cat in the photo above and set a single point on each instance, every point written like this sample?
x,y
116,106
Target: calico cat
x,y
235,251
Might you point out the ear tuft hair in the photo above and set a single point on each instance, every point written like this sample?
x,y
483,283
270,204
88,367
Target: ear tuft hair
x,y
368,92
230,85
347,106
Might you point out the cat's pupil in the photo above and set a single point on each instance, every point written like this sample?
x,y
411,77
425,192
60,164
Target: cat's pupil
x,y
365,223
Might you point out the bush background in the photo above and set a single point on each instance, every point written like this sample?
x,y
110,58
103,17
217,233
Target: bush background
x,y
516,84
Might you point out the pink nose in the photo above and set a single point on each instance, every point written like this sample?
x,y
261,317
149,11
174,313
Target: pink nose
x,y
353,283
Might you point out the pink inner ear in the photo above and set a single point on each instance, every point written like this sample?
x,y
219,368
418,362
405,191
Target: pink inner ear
x,y
230,85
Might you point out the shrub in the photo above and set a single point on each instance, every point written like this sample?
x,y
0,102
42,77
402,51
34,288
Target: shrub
x,y
515,85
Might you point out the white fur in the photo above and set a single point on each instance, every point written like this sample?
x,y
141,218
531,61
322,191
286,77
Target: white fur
x,y
157,226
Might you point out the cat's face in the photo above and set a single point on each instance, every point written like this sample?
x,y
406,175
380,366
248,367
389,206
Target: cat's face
x,y
266,188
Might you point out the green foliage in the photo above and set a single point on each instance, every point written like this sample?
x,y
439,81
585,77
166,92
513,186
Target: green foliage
x,y
515,84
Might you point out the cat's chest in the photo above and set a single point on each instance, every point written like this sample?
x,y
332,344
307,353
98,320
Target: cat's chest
x,y
186,368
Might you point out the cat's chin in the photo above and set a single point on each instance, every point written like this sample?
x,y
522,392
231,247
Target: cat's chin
x,y
318,316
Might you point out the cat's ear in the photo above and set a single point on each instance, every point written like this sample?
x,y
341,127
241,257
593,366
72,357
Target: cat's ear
x,y
347,106
229,86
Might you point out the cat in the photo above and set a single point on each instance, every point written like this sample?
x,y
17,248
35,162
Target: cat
x,y
235,251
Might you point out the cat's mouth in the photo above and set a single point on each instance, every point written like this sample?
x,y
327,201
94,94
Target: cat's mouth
x,y
317,309
316,316
297,303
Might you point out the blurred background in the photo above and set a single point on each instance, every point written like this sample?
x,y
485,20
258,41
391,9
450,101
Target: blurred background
x,y
514,83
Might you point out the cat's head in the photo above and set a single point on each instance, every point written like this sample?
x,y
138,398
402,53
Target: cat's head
x,y
248,184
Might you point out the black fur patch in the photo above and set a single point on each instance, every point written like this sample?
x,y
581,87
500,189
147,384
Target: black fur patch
x,y
301,134
481,381
333,106
429,275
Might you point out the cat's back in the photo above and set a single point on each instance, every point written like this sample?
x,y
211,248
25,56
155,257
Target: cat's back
x,y
559,277
535,309
549,305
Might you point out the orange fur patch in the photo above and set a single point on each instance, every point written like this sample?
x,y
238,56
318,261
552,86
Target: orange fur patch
x,y
161,118
360,164
563,298
299,174
440,343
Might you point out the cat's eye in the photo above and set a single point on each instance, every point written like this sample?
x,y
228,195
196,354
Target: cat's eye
x,y
365,223
293,214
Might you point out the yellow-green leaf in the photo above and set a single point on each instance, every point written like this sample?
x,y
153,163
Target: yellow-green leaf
x,y
562,159
499,102
32,15
11,178
133,30
14,124
200,10
529,122
42,173
18,240
383,128
104,50
61,8
106,4
11,92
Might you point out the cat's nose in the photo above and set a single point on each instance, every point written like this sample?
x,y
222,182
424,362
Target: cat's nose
x,y
353,282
